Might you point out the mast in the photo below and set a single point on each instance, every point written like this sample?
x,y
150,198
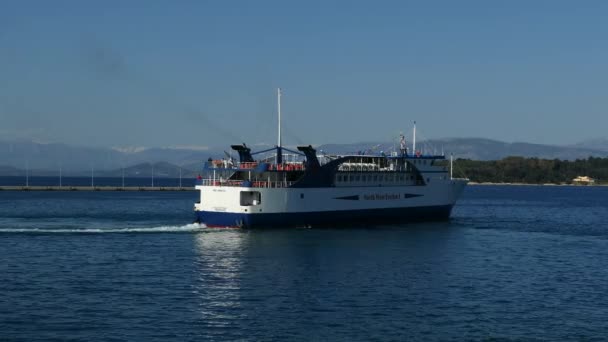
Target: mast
x,y
414,139
451,164
279,152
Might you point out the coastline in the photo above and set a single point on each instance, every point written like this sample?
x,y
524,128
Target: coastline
x,y
533,184
175,188
94,188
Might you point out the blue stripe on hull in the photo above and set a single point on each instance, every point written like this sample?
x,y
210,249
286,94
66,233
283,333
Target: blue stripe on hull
x,y
324,218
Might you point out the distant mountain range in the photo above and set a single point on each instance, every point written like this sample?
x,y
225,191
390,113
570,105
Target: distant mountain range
x,y
78,159
47,158
485,149
596,144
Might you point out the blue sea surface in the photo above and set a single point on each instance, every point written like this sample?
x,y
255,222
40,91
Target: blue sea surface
x,y
513,263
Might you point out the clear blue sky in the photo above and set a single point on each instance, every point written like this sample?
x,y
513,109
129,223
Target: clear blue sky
x,y
166,73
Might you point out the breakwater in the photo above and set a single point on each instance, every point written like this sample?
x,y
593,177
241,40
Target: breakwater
x,y
94,188
42,183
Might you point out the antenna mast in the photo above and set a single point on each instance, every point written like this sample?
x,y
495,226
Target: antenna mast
x,y
414,139
451,165
279,112
279,152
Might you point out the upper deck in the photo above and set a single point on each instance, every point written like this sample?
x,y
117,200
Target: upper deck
x,y
307,169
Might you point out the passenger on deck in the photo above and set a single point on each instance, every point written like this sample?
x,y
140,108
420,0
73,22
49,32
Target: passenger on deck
x,y
403,146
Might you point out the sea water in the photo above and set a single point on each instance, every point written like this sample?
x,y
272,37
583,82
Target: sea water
x,y
514,263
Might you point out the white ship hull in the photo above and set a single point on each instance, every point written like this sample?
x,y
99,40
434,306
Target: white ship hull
x,y
223,205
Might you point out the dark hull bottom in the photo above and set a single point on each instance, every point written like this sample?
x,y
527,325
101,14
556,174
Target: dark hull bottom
x,y
324,218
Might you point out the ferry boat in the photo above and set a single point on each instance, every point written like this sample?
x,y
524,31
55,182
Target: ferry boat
x,y
303,189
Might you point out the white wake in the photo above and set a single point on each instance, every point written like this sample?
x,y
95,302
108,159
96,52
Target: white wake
x,y
193,227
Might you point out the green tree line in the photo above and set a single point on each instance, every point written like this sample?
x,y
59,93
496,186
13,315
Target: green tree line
x,y
531,170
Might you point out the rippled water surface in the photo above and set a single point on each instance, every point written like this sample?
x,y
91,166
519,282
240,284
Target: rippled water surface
x,y
514,263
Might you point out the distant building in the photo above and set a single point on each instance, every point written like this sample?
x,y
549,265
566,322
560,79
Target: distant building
x,y
583,180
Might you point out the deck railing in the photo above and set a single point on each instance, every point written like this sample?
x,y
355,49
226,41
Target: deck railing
x,y
223,164
286,167
241,183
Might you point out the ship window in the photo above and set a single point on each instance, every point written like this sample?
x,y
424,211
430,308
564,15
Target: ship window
x,y
375,178
301,195
251,198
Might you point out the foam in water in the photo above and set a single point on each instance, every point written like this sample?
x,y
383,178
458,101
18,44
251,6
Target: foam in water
x,y
193,227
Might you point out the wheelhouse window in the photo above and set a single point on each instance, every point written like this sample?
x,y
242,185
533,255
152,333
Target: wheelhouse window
x,y
249,198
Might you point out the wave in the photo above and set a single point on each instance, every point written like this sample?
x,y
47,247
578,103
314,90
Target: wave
x,y
193,227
